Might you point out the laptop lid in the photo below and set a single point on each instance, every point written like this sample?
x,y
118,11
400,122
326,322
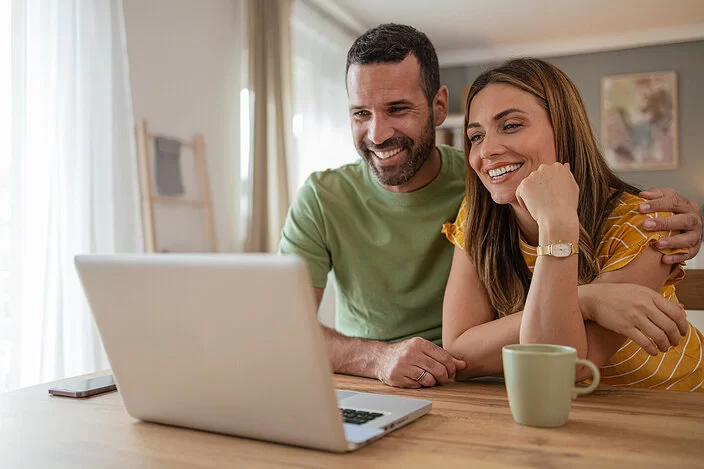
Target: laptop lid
x,y
224,343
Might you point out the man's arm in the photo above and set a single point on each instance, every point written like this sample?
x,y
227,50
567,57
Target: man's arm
x,y
412,363
686,218
398,364
348,355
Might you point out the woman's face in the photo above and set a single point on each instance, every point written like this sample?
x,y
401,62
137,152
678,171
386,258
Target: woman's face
x,y
511,137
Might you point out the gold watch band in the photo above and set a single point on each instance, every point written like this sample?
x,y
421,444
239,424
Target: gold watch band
x,y
547,250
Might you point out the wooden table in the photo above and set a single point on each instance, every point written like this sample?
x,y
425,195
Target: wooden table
x,y
470,426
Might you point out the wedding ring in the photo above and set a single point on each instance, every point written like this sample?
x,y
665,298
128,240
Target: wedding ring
x,y
421,375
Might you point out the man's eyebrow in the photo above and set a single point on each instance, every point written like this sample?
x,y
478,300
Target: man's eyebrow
x,y
498,116
398,102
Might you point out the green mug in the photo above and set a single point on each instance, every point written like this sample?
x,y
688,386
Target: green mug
x,y
540,382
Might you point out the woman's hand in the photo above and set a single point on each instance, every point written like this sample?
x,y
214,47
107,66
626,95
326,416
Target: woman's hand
x,y
634,311
551,195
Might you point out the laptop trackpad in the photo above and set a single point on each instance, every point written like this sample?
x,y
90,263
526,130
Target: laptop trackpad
x,y
360,433
344,394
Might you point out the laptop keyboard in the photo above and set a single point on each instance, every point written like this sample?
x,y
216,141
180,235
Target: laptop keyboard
x,y
358,417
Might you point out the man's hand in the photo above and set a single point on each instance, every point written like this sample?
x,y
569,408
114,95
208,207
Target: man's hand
x,y
687,219
636,312
403,363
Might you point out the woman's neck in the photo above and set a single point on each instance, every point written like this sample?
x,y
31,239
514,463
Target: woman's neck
x,y
526,223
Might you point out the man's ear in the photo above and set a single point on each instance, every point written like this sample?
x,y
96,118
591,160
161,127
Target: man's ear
x,y
440,106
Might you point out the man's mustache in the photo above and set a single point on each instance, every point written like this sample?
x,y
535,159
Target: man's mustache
x,y
393,142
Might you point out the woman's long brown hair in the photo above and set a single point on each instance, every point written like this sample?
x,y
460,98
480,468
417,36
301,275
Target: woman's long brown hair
x,y
492,234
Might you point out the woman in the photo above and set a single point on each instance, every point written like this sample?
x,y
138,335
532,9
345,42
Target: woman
x,y
546,215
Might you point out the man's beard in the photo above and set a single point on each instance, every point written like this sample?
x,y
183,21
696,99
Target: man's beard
x,y
417,154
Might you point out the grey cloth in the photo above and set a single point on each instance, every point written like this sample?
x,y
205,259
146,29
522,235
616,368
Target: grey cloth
x,y
167,154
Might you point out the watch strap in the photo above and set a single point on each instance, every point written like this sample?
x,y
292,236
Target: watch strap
x,y
547,249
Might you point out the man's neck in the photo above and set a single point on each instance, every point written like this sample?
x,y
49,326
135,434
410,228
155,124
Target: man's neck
x,y
425,175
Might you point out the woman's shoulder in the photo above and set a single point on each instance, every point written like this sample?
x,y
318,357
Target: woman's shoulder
x,y
454,231
626,205
624,236
626,216
624,224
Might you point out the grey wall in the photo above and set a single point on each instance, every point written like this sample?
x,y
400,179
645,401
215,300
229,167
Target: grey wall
x,y
586,70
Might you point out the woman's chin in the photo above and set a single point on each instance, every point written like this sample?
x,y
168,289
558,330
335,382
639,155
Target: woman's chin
x,y
503,197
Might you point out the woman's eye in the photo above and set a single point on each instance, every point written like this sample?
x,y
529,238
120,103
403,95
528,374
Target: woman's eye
x,y
511,126
475,138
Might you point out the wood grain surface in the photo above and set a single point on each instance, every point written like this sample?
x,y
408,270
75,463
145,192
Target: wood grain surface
x,y
470,426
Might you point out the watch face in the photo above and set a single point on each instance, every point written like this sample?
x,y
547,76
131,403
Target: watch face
x,y
561,250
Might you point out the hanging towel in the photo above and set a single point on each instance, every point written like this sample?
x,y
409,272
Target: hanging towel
x,y
167,153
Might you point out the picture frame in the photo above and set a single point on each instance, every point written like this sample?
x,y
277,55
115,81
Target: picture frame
x,y
639,128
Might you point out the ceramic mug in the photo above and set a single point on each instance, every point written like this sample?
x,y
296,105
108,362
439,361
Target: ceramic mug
x,y
540,382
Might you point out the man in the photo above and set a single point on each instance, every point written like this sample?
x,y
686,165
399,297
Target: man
x,y
377,222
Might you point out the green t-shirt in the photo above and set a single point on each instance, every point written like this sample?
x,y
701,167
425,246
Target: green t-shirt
x,y
386,249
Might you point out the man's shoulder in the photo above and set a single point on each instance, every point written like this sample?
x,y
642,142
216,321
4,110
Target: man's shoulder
x,y
454,158
347,178
451,152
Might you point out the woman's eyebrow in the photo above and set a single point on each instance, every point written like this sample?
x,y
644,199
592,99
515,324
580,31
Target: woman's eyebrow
x,y
498,116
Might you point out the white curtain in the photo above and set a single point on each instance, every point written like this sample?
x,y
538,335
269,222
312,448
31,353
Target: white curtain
x,y
72,181
321,125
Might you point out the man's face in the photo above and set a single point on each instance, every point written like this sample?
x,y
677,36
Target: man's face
x,y
392,123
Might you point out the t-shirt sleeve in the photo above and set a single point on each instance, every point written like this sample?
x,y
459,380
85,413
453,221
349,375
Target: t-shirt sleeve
x,y
625,239
304,234
454,232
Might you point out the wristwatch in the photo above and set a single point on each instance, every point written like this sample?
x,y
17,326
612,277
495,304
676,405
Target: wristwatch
x,y
558,249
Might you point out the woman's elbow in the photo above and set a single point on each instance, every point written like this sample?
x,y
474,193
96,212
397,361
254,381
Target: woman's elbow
x,y
449,343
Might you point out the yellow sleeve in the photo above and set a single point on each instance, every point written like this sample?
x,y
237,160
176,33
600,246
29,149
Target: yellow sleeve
x,y
454,232
625,238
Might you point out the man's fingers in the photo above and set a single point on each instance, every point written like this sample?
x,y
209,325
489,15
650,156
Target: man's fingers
x,y
428,380
441,356
686,240
676,258
674,312
651,194
667,203
435,368
678,222
406,382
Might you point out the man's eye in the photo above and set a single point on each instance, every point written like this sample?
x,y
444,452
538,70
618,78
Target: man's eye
x,y
397,109
361,113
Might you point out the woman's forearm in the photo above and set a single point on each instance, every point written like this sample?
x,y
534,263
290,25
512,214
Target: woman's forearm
x,y
480,346
552,313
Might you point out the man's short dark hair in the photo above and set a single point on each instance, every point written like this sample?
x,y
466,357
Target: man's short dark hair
x,y
391,43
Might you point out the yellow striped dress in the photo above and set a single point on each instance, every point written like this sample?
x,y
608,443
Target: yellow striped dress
x,y
680,368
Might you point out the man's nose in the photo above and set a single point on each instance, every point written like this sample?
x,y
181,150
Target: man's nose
x,y
379,130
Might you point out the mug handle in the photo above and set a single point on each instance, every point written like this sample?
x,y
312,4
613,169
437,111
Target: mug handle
x,y
596,377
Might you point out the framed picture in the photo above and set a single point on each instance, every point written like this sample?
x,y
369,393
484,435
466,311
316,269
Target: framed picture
x,y
639,121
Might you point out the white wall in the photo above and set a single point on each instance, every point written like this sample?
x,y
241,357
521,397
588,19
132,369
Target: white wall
x,y
694,316
185,69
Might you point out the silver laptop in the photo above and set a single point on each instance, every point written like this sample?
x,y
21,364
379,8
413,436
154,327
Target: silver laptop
x,y
229,344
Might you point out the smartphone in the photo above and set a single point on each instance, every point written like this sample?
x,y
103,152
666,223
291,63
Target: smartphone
x,y
85,387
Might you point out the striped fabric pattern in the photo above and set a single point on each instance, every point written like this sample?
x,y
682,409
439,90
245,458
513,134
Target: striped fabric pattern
x,y
680,368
